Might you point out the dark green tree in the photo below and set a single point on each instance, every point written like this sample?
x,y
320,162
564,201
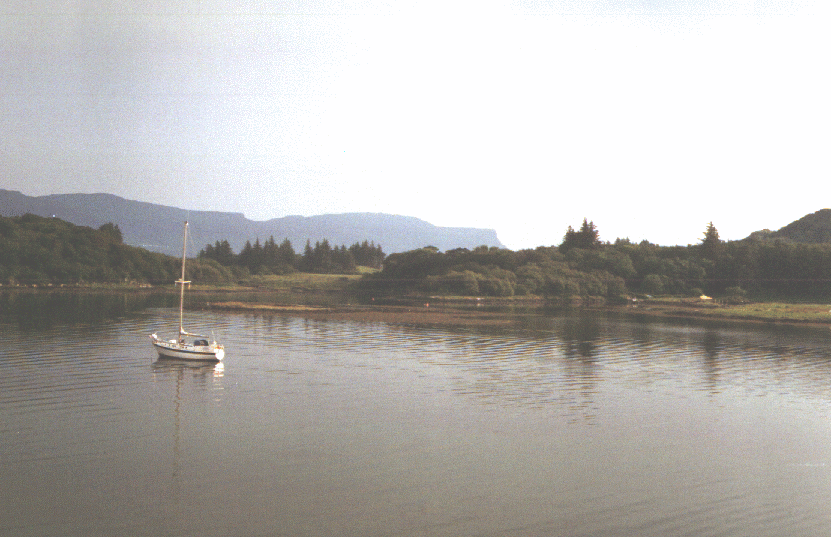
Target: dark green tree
x,y
113,231
286,254
246,257
220,252
589,234
586,239
270,253
711,245
367,254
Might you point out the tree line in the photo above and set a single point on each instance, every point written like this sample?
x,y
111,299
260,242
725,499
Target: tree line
x,y
584,266
37,250
272,258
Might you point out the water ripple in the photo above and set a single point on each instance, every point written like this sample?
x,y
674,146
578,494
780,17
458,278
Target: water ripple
x,y
570,425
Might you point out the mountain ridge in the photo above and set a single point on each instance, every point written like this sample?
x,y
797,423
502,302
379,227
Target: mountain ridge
x,y
157,227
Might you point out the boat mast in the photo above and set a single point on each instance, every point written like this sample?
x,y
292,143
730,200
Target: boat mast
x,y
182,280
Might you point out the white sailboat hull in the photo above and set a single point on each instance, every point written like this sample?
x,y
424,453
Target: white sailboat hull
x,y
183,351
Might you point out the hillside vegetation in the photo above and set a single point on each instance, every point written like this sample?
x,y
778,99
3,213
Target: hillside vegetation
x,y
814,228
38,250
583,266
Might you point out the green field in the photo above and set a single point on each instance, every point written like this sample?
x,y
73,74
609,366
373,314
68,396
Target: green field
x,y
299,288
305,281
757,311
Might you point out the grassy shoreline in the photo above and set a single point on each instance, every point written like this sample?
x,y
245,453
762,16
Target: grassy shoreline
x,y
767,312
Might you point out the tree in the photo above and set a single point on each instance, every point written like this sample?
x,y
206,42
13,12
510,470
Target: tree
x,y
589,234
246,256
367,254
652,284
220,251
256,255
711,245
270,252
587,238
285,253
113,231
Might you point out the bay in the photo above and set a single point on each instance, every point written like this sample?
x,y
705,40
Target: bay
x,y
572,423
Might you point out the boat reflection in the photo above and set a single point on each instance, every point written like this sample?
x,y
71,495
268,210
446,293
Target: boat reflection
x,y
199,369
179,370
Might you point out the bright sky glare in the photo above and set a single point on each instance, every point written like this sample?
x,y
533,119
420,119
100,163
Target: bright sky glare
x,y
650,118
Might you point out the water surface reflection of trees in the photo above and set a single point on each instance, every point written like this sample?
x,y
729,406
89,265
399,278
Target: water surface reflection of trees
x,y
34,310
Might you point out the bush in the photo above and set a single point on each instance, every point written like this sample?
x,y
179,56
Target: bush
x,y
735,293
461,283
652,284
496,287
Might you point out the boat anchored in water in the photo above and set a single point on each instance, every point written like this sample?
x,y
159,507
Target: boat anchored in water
x,y
187,346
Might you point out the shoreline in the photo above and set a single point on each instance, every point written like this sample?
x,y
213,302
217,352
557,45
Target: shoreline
x,y
465,311
796,314
485,313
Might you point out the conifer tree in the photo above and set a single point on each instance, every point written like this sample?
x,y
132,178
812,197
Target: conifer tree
x,y
587,238
711,244
245,257
219,251
307,260
286,253
270,253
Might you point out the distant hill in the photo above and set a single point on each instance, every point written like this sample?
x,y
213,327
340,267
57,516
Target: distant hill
x,y
158,227
811,228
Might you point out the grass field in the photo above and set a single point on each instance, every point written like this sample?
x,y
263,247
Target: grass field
x,y
774,311
306,281
758,311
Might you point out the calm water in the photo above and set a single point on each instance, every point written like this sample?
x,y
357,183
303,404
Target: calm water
x,y
566,425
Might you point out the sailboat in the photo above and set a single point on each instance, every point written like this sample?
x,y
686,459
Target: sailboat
x,y
187,346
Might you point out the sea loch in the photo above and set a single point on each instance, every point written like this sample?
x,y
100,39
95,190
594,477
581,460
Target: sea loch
x,y
566,424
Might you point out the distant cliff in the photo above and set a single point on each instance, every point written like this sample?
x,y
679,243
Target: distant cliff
x,y
158,227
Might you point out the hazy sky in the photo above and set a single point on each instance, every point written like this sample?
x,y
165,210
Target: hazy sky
x,y
649,117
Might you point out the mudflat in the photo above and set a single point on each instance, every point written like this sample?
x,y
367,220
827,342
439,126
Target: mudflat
x,y
453,314
425,314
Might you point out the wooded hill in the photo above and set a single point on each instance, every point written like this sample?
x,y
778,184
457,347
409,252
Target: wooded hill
x,y
38,250
814,228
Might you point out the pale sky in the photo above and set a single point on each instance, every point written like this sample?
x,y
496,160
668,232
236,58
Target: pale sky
x,y
650,118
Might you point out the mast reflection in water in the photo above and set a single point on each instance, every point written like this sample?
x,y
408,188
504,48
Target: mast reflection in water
x,y
199,372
